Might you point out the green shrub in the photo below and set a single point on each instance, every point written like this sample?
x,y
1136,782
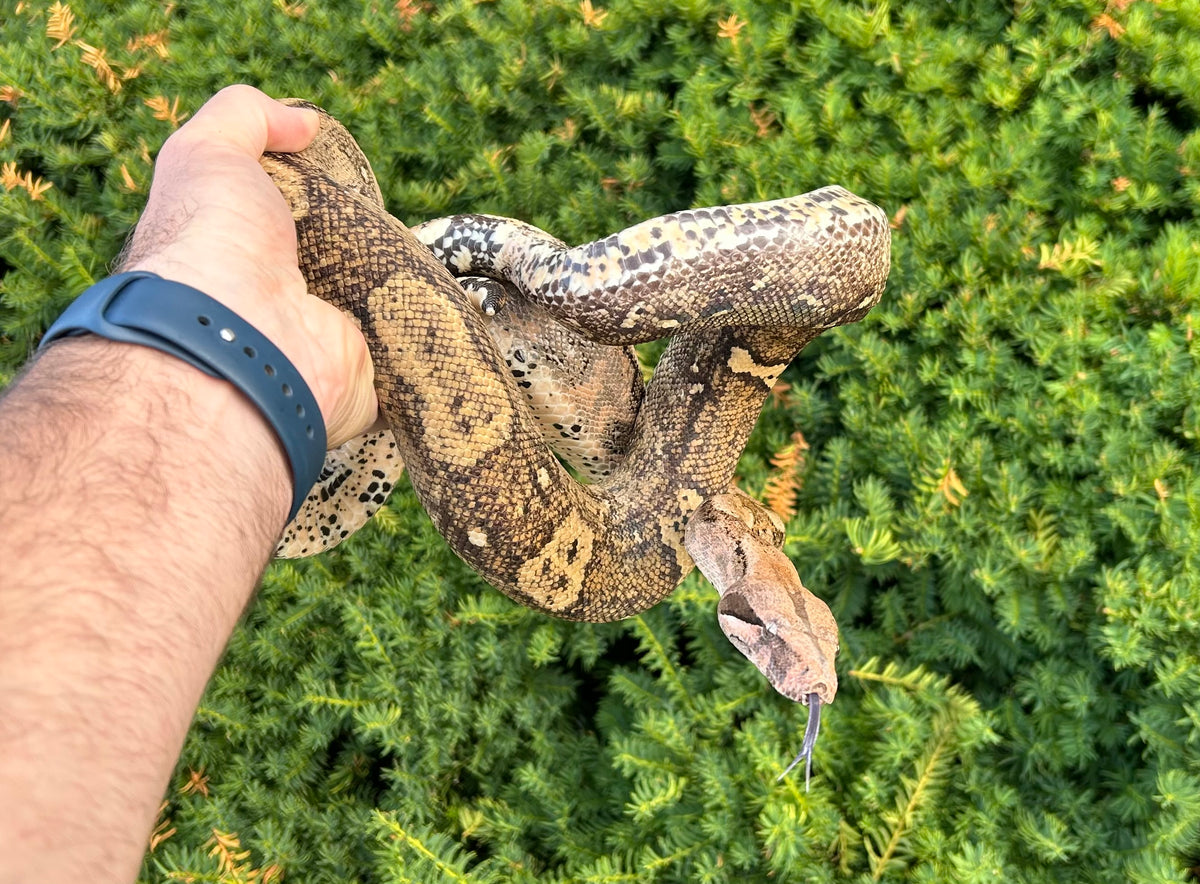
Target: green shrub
x,y
1000,497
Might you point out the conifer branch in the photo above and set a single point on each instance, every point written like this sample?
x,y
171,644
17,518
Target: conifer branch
x,y
366,629
446,871
661,659
654,864
338,702
650,796
915,680
929,769
224,720
1070,257
23,237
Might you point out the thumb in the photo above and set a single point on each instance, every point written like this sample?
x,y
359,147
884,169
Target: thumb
x,y
250,122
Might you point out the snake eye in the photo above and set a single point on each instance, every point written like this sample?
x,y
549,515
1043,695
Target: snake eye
x,y
735,605
771,628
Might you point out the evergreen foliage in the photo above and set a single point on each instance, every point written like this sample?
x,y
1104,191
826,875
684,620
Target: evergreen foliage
x,y
996,485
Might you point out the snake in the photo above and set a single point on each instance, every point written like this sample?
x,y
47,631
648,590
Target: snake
x,y
509,392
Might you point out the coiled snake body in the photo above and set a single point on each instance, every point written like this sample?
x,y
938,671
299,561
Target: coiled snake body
x,y
739,289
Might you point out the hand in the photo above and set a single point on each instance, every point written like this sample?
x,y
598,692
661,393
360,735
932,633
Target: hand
x,y
216,222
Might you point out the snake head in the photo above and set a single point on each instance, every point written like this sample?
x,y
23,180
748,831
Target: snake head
x,y
786,632
766,613
783,629
790,635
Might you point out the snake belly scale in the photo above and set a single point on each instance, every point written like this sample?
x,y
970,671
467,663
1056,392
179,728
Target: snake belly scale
x,y
740,290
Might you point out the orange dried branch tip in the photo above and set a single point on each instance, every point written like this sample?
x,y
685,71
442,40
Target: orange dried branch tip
x,y
11,179
729,28
60,26
781,393
783,484
127,182
951,487
227,848
407,10
763,120
167,111
162,829
567,131
197,783
161,833
97,60
156,43
10,95
1106,22
5,128
592,17
231,861
291,10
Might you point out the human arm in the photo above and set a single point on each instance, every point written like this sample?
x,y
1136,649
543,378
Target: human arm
x,y
140,500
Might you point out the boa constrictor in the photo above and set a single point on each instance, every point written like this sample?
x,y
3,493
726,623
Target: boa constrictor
x,y
478,385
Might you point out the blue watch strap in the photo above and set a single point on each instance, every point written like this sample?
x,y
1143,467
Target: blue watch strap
x,y
143,308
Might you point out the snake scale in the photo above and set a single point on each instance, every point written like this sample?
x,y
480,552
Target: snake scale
x,y
475,385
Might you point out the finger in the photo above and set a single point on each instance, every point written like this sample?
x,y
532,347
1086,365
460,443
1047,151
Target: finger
x,y
249,121
290,129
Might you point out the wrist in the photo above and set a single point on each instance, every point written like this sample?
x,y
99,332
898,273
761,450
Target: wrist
x,y
144,309
144,410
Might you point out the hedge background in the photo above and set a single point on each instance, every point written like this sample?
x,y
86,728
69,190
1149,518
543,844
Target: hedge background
x,y
999,496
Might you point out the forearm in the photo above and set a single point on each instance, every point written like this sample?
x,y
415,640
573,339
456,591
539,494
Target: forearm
x,y
139,501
